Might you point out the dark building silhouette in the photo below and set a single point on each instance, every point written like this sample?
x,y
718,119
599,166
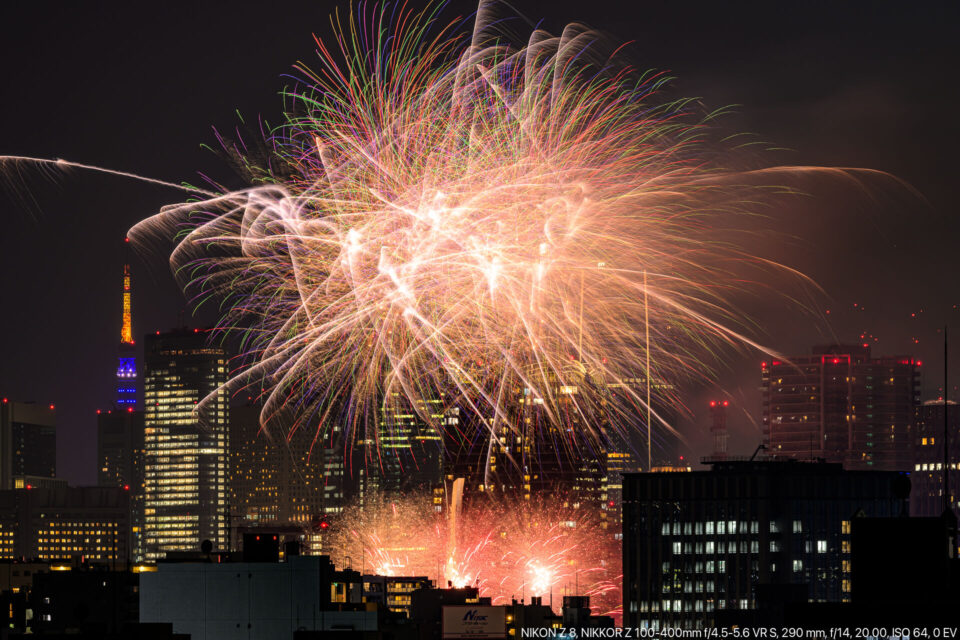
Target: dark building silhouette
x,y
578,615
701,542
718,428
902,577
928,473
120,463
263,600
90,601
28,443
426,607
842,405
120,448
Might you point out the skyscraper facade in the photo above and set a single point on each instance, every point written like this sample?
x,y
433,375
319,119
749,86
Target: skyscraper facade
x,y
276,479
410,444
842,405
28,443
186,443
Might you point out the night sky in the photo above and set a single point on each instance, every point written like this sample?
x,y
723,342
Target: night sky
x,y
858,84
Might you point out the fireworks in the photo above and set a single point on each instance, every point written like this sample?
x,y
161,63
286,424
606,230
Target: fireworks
x,y
452,216
511,550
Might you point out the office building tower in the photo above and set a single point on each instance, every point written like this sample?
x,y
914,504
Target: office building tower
x,y
28,443
699,542
91,524
120,448
276,479
349,476
926,499
842,405
120,460
186,443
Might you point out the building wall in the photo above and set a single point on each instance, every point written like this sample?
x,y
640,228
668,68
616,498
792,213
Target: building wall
x,y
258,601
698,542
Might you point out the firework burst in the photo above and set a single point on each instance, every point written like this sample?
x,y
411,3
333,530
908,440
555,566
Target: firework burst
x,y
448,215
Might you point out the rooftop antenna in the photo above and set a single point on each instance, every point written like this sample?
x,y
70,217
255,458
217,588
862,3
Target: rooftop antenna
x,y
946,429
949,518
646,323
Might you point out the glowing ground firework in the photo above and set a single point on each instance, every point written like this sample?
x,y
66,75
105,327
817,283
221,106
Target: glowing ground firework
x,y
511,550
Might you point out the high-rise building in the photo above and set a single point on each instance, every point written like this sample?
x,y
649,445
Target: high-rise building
x,y
186,443
276,478
928,471
120,448
28,443
409,444
120,462
842,405
699,542
88,523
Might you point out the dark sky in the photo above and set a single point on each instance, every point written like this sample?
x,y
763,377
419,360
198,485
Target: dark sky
x,y
863,84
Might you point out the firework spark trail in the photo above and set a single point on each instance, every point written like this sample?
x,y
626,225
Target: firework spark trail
x,y
508,550
62,164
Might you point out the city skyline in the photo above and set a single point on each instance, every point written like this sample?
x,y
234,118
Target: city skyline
x,y
775,113
455,319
